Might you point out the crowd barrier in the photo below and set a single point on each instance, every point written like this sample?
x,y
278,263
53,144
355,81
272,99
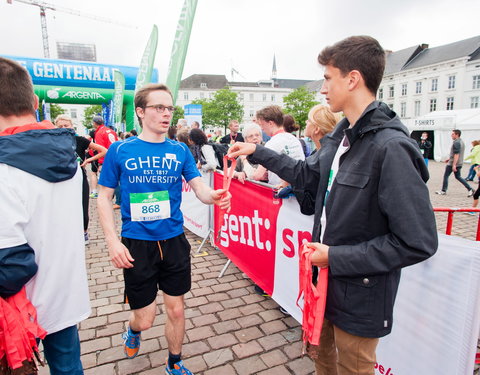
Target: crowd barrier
x,y
437,310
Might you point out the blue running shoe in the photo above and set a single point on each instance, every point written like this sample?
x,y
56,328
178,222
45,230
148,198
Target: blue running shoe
x,y
178,369
131,343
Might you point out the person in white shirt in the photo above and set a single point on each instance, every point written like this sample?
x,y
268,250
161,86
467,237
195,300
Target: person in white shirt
x,y
270,120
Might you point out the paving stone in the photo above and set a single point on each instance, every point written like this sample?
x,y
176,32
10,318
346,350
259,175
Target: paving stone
x,y
273,327
250,365
301,366
274,358
248,349
202,320
279,370
133,366
218,357
272,341
200,333
194,348
221,341
249,321
227,326
222,370
247,334
108,369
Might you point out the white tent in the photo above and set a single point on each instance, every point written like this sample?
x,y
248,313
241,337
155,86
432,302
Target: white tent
x,y
442,123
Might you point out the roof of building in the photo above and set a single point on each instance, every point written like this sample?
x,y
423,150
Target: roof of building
x,y
290,83
212,81
398,59
315,85
447,52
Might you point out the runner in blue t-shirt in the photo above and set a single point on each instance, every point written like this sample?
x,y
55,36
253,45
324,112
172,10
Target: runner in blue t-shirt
x,y
153,251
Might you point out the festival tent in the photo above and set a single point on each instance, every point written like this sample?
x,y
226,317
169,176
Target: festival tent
x,y
441,123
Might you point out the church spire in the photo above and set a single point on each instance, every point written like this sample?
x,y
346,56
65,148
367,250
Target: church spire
x,y
274,68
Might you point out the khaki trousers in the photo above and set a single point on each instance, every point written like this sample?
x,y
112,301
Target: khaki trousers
x,y
341,353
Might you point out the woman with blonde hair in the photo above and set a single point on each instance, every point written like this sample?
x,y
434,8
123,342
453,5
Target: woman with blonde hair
x,y
321,120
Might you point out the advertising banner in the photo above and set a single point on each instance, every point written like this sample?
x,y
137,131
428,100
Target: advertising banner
x,y
180,46
146,67
118,98
50,72
193,112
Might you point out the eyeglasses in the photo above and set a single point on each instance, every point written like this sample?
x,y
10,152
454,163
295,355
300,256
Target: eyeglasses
x,y
161,108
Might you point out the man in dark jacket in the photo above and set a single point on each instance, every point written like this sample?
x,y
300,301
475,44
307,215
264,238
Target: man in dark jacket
x,y
372,209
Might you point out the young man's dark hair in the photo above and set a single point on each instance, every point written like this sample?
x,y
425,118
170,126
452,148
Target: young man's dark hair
x,y
457,132
16,89
362,53
97,119
142,95
271,113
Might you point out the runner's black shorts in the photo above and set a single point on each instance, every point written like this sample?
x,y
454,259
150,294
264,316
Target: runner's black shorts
x,y
159,265
94,166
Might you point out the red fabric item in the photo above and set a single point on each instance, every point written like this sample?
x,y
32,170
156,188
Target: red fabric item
x,y
45,124
227,179
314,297
18,329
105,137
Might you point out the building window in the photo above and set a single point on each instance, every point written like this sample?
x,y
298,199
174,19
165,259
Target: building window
x,y
417,108
434,84
273,97
73,113
433,105
202,95
418,87
241,96
251,97
474,102
251,113
391,91
451,82
185,96
203,85
404,89
264,97
403,109
476,82
380,94
450,102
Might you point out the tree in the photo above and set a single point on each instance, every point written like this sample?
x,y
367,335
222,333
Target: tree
x,y
178,114
91,111
298,103
55,110
221,109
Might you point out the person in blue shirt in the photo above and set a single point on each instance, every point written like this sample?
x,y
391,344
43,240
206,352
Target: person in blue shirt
x,y
153,251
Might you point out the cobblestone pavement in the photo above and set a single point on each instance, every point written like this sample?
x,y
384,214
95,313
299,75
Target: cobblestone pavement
x,y
229,328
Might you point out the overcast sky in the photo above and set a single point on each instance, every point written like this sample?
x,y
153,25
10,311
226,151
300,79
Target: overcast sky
x,y
244,34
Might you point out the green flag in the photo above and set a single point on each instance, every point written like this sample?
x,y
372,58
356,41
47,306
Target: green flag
x,y
145,69
180,46
119,79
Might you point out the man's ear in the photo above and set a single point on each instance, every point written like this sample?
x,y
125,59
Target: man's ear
x,y
36,102
140,112
355,78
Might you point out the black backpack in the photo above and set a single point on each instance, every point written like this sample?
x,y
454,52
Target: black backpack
x,y
220,150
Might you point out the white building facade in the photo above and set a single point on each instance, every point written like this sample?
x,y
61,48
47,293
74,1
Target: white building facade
x,y
419,80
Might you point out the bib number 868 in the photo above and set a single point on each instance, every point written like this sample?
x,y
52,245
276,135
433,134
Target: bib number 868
x,y
150,209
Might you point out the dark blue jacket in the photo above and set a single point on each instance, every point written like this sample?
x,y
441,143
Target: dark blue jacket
x,y
378,212
45,153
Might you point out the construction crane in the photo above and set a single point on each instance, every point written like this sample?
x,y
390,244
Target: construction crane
x,y
235,71
44,6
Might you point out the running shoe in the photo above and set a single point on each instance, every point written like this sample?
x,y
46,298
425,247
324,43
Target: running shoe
x,y
260,291
87,240
131,343
440,192
178,369
93,195
470,193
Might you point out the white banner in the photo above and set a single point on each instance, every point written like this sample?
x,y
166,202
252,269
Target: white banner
x,y
436,315
196,215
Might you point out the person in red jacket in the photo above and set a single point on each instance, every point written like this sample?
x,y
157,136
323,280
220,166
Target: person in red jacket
x,y
104,136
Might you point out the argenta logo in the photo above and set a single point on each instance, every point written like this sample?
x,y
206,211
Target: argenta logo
x,y
83,95
53,94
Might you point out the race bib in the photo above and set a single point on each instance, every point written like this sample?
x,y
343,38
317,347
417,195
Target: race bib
x,y
149,206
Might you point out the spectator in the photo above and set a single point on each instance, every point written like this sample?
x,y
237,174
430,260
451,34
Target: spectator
x,y
321,121
203,153
291,126
425,147
475,160
252,133
234,135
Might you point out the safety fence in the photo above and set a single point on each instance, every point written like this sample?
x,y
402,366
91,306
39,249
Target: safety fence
x,y
451,211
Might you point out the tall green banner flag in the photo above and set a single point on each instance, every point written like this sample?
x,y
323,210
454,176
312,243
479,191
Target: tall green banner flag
x,y
119,80
180,46
145,69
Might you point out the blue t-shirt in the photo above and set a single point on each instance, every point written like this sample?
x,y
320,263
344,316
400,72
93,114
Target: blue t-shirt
x,y
150,176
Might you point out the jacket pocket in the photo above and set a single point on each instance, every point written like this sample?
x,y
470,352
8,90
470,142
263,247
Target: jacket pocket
x,y
352,179
359,296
